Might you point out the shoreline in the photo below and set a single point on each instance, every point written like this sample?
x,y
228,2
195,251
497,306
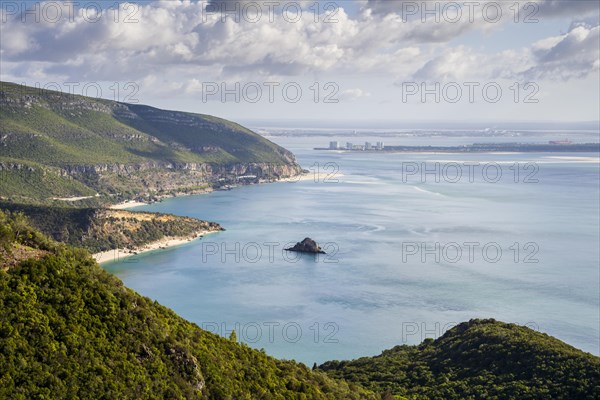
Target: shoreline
x,y
134,203
297,178
127,204
164,243
169,242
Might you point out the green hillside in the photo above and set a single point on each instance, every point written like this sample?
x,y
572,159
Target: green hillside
x,y
98,230
479,359
49,138
21,178
70,330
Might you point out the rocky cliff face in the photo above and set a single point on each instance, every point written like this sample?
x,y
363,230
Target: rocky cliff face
x,y
307,246
155,178
149,179
127,149
9,166
211,171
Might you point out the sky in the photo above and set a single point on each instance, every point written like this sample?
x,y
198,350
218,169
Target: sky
x,y
363,61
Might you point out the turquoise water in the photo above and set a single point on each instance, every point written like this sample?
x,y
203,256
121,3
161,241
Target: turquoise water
x,y
377,287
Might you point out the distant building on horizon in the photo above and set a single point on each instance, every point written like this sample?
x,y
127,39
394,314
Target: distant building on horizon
x,y
349,146
380,145
368,146
334,145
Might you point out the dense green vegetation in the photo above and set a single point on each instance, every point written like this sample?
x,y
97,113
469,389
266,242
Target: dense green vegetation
x,y
100,230
60,129
479,359
54,144
70,330
33,181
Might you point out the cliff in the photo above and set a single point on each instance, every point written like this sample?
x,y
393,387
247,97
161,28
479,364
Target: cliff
x,y
51,139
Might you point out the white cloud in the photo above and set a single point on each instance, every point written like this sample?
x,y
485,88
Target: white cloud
x,y
184,34
353,94
180,43
465,64
573,55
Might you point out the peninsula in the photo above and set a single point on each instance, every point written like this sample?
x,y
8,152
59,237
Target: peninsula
x,y
550,147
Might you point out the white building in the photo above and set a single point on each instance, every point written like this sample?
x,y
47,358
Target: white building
x,y
334,145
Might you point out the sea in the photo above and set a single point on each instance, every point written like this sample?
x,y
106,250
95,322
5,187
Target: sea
x,y
415,244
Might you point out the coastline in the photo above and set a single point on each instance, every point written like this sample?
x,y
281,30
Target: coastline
x,y
168,242
429,152
297,178
134,203
126,205
164,243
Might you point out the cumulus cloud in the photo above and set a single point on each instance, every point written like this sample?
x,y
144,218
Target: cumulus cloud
x,y
184,34
353,94
190,45
462,63
573,55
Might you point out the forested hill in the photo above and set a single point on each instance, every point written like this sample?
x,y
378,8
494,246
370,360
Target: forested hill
x,y
69,329
98,230
479,359
54,144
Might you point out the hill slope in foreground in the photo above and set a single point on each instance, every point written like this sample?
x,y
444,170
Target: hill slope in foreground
x,y
479,359
69,329
100,230
54,144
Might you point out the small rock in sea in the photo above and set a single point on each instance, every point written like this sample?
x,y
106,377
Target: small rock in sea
x,y
307,246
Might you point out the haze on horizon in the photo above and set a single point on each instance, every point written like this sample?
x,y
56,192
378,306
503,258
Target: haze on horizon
x,y
358,61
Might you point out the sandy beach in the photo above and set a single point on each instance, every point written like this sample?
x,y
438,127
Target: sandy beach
x,y
309,176
119,254
127,204
302,177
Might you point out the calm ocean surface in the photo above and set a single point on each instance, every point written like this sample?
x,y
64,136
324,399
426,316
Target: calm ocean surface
x,y
406,259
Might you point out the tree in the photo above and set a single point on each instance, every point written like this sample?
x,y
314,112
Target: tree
x,y
6,233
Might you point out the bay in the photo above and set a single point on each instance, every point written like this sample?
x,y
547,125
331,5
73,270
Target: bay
x,y
384,282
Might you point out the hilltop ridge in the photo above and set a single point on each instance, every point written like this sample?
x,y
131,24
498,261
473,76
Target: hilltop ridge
x,y
54,144
478,359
